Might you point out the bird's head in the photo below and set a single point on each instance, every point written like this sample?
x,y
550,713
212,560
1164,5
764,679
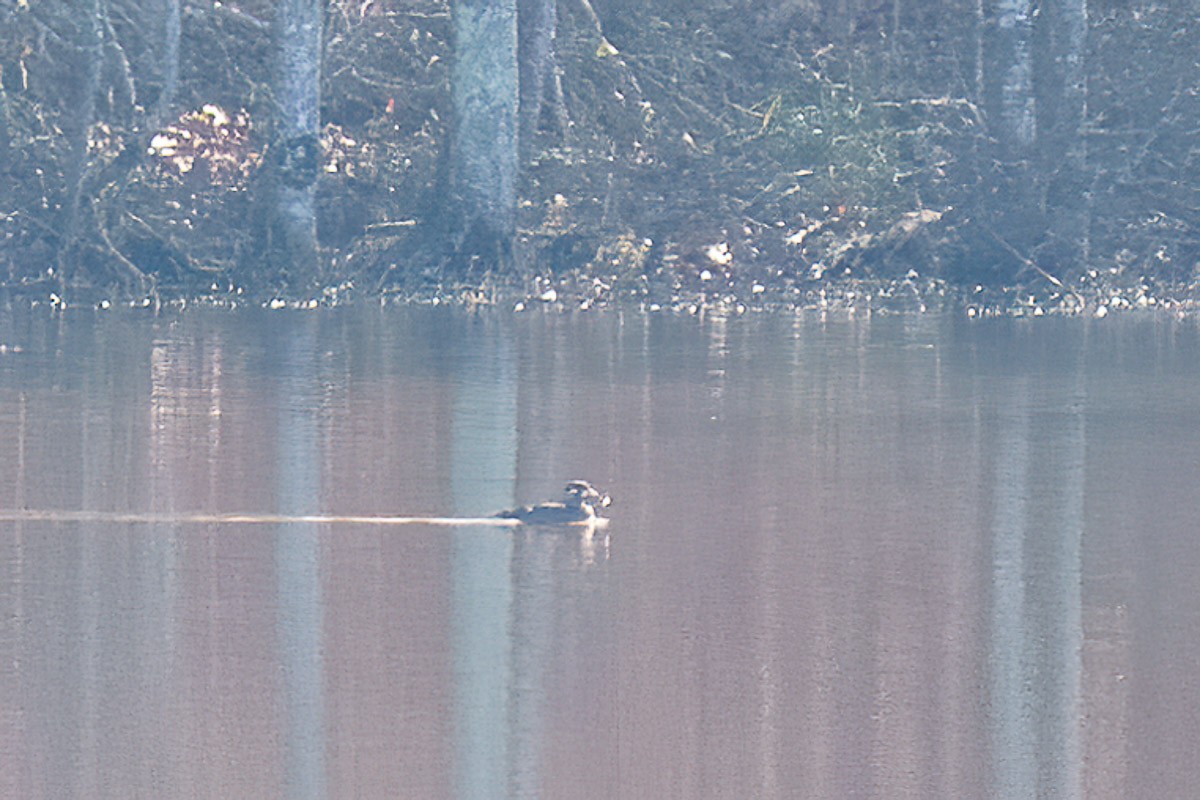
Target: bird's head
x,y
584,492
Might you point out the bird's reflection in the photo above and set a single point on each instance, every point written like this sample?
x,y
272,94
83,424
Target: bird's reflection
x,y
594,545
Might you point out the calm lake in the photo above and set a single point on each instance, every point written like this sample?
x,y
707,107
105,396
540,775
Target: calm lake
x,y
896,557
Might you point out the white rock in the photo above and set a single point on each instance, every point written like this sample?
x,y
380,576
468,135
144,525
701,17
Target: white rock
x,y
720,253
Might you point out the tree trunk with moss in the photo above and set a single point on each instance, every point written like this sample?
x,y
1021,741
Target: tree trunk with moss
x,y
484,155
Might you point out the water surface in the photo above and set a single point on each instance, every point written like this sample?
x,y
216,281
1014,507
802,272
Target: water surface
x,y
881,558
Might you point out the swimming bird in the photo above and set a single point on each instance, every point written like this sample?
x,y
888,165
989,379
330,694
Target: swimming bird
x,y
578,507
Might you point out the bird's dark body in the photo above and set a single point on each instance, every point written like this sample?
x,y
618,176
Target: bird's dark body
x,y
547,514
578,507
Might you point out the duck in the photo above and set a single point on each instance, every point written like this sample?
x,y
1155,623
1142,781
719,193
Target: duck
x,y
578,507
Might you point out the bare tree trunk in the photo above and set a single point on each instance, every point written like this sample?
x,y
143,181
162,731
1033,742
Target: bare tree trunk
x,y
980,38
91,241
294,164
538,28
1064,146
1012,203
172,34
90,44
1009,78
5,134
484,143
